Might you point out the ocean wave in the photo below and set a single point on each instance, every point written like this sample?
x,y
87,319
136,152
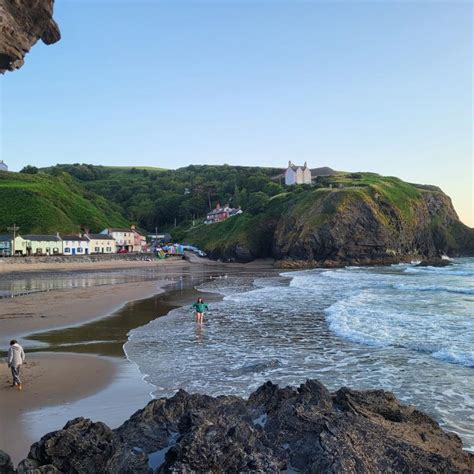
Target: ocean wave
x,y
449,355
358,320
447,271
340,325
435,288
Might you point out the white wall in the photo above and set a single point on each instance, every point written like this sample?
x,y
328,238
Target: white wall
x,y
290,177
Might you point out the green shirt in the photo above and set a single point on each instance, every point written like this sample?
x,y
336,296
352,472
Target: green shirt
x,y
200,307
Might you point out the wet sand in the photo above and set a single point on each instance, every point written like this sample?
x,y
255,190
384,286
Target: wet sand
x,y
61,308
106,336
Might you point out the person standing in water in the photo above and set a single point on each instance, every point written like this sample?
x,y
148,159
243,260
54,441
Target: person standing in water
x,y
200,307
16,357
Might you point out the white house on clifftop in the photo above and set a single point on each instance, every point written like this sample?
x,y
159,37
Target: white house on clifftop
x,y
3,166
297,174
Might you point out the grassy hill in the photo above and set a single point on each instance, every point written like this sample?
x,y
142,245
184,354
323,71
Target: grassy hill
x,y
42,203
158,198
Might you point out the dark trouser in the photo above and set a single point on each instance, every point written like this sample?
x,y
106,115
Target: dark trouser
x,y
16,375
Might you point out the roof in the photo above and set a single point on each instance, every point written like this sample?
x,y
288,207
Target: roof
x,y
235,211
6,238
42,238
221,210
74,237
117,230
295,167
100,236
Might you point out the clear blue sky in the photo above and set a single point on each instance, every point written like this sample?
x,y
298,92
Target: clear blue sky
x,y
369,86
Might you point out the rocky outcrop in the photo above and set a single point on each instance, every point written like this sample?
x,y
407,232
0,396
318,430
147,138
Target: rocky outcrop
x,y
22,24
305,429
386,222
362,228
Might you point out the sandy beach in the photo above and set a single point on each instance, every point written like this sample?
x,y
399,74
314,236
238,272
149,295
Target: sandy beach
x,y
48,379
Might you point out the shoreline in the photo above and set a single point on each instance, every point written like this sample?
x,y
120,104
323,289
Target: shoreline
x,y
66,309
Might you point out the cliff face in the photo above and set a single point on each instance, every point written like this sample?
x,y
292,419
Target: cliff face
x,y
359,218
305,429
363,228
22,24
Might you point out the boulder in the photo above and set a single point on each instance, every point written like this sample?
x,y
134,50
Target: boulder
x,y
435,262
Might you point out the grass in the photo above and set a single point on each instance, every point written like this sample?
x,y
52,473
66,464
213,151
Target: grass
x,y
46,204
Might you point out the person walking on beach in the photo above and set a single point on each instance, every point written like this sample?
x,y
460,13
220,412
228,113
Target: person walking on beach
x,y
200,307
16,357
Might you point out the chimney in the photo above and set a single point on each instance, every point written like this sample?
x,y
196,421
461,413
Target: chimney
x,y
289,163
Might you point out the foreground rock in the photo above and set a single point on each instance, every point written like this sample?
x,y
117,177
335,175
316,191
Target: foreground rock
x,y
307,429
6,466
22,24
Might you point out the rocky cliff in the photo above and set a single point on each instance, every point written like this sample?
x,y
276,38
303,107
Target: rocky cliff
x,y
22,24
352,218
305,429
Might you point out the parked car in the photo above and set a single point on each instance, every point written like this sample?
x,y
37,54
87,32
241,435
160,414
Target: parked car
x,y
122,251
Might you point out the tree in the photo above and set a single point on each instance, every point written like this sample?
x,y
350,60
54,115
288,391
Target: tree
x,y
257,202
29,170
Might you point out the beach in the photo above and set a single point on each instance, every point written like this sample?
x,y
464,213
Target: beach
x,y
62,378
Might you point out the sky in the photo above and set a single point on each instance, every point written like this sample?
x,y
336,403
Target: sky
x,y
378,86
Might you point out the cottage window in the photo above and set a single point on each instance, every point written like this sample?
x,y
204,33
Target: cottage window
x,y
67,250
109,249
55,250
96,249
79,249
39,251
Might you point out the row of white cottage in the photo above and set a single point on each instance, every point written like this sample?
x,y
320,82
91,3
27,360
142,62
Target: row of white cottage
x,y
112,240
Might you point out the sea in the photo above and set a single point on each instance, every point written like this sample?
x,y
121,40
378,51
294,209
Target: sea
x,y
404,328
